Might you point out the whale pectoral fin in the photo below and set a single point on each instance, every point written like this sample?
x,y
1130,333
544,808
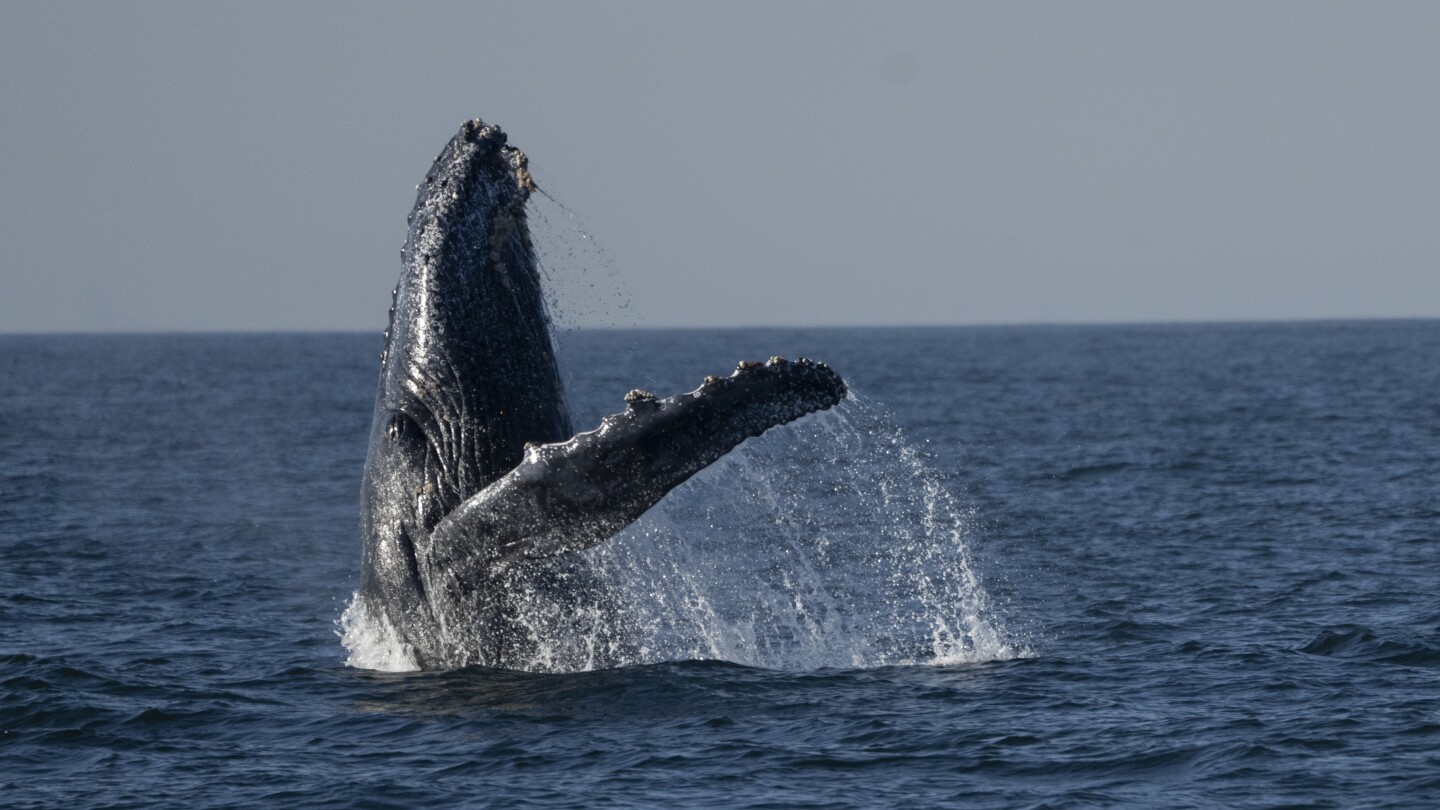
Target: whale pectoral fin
x,y
572,495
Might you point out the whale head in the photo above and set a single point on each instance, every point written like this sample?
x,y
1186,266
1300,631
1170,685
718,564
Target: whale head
x,y
468,373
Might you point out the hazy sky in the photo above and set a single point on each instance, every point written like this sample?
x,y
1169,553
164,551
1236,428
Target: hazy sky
x,y
196,166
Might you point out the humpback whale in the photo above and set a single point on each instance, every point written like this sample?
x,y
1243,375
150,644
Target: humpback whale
x,y
471,474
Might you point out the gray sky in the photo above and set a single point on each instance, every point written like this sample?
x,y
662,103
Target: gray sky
x,y
194,166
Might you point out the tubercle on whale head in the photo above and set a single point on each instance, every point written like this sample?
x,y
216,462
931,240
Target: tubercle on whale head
x,y
478,132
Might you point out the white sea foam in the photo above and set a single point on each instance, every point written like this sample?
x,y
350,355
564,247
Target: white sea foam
x,y
372,641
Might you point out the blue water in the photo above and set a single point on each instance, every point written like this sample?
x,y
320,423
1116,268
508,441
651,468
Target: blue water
x,y
1023,567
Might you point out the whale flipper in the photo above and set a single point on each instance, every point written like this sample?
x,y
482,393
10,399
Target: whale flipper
x,y
572,495
469,475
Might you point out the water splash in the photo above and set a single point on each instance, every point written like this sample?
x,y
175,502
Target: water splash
x,y
826,544
372,641
829,543
582,286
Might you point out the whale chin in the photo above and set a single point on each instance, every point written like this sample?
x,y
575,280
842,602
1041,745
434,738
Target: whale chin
x,y
470,473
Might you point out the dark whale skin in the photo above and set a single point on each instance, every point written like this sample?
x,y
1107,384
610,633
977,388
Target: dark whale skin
x,y
469,476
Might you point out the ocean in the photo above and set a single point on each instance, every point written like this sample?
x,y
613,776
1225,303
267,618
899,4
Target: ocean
x,y
1020,567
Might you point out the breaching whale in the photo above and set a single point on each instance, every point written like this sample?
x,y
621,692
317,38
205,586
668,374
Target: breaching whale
x,y
470,473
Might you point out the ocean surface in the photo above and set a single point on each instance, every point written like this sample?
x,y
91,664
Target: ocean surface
x,y
1152,566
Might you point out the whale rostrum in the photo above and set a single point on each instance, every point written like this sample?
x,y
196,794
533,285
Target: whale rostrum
x,y
472,472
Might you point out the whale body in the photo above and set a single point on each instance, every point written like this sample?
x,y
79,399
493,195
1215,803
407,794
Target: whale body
x,y
472,474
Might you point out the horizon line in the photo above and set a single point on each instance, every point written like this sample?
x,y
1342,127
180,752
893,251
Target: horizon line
x,y
762,327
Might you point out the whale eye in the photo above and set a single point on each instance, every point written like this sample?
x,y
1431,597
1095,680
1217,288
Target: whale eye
x,y
401,428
